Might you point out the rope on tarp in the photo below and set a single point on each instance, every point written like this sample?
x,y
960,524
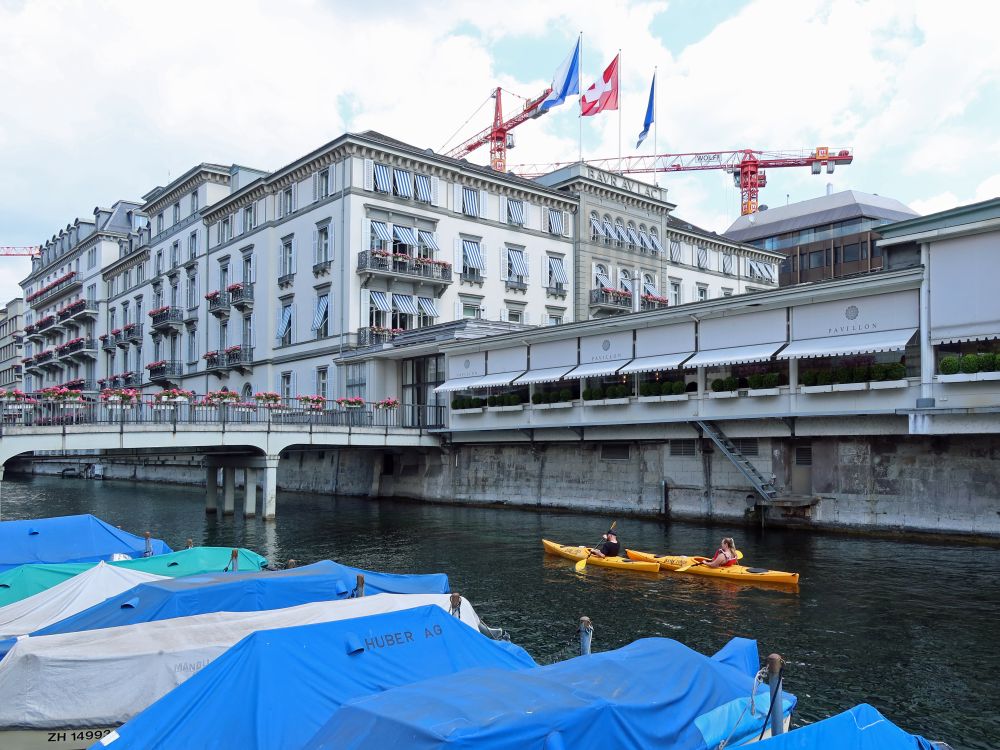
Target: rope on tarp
x,y
757,681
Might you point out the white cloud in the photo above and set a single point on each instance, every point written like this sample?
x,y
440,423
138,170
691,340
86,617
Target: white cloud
x,y
988,188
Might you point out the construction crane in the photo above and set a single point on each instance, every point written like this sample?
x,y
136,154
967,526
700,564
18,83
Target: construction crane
x,y
498,134
31,251
745,165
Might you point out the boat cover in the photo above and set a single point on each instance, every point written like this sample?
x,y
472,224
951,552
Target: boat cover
x,y
273,690
741,654
26,580
101,678
654,692
69,597
860,728
83,538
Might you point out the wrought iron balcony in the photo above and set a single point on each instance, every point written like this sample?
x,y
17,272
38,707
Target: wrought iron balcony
x,y
239,359
611,299
218,305
45,324
108,342
374,336
165,370
171,317
134,334
45,356
377,263
86,349
652,304
121,338
515,284
215,360
242,297
556,290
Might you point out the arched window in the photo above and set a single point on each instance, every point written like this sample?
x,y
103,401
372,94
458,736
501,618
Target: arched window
x,y
654,240
620,234
247,393
624,280
601,278
609,230
644,242
596,230
633,236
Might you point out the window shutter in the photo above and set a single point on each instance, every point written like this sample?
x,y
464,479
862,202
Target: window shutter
x,y
330,172
457,194
566,227
503,209
486,258
527,263
295,196
315,182
329,242
544,268
238,223
253,268
277,327
366,234
262,211
531,216
504,315
459,259
503,263
436,191
295,391
295,265
458,310
366,303
315,246
484,196
369,174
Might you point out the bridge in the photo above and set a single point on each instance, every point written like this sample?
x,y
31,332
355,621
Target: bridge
x,y
231,436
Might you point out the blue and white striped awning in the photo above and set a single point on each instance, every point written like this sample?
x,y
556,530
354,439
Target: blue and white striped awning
x,y
382,183
423,183
555,221
626,284
428,307
285,321
609,229
404,304
633,237
518,266
404,183
429,240
380,301
322,305
650,289
644,241
406,235
381,231
621,233
596,226
470,201
515,211
604,281
558,270
473,255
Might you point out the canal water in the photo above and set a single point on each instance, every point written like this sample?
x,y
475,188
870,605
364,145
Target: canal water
x,y
909,627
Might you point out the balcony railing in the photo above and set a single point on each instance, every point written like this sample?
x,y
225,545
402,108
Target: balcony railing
x,y
134,334
215,361
108,343
87,347
373,336
652,304
242,297
169,369
45,323
556,290
121,338
370,261
241,357
56,291
606,298
172,316
219,304
516,284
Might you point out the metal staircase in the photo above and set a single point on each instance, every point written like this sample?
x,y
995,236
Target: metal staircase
x,y
763,486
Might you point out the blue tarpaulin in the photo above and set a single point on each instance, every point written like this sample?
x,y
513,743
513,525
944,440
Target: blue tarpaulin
x,y
82,538
241,592
861,728
741,654
275,688
654,692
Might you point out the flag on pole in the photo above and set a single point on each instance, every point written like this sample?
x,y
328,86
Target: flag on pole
x,y
649,113
603,94
565,82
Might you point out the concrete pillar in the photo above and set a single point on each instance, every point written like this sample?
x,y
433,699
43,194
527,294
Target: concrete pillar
x,y
211,490
270,486
250,493
702,389
228,490
926,399
793,384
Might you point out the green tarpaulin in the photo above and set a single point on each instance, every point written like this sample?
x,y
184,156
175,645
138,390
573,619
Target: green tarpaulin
x,y
27,580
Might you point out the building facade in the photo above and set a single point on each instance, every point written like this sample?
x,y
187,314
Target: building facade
x,y
822,238
11,344
631,254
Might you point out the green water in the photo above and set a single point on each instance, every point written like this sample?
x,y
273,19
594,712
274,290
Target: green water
x,y
906,626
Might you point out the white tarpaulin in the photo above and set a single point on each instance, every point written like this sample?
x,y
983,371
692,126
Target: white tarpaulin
x,y
69,597
100,678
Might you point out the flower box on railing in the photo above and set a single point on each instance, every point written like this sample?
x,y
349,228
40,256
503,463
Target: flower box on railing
x,y
351,402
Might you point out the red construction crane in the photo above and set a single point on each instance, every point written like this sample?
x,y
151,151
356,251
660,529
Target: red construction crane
x,y
31,251
498,134
745,165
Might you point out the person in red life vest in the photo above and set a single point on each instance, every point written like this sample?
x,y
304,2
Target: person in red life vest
x,y
725,555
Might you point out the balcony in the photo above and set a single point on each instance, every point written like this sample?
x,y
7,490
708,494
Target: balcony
x,y
33,334
218,304
166,318
515,284
472,276
241,297
214,361
71,282
133,333
45,324
129,380
107,342
43,357
374,336
85,348
378,263
121,339
322,267
611,299
648,302
164,370
239,358
556,290
81,385
79,310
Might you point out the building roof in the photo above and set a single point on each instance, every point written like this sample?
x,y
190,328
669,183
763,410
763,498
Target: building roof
x,y
848,204
970,217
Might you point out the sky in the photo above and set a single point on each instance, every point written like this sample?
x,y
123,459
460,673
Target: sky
x,y
104,100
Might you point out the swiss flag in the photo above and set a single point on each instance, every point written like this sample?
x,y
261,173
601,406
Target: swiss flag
x,y
603,94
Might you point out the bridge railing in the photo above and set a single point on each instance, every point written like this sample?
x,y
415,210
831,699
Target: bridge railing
x,y
169,414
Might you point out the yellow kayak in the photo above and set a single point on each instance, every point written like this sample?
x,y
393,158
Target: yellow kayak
x,y
619,563
739,573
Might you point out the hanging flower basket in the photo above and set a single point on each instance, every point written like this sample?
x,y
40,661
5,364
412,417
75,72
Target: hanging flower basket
x,y
312,402
351,402
387,403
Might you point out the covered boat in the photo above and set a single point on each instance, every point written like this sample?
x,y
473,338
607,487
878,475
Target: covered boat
x,y
83,538
654,692
26,580
273,690
579,553
68,598
861,728
95,680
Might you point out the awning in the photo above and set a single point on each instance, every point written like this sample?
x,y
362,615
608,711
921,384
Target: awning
x,y
429,240
595,224
644,241
423,183
406,235
497,379
596,369
546,375
457,384
470,202
633,236
382,179
322,306
518,267
604,281
428,307
404,304
734,355
650,289
855,343
555,221
404,183
655,241
620,231
655,364
473,255
626,284
381,231
558,270
675,251
285,321
515,210
609,230
380,301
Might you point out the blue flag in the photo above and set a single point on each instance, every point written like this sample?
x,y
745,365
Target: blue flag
x,y
565,82
649,113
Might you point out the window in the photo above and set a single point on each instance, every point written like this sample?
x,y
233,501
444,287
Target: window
x,y
247,339
192,246
177,213
383,184
175,251
428,311
625,280
515,315
194,201
286,261
557,274
555,222
174,296
92,257
682,448
223,335
601,278
322,245
287,201
596,230
323,184
158,266
92,294
140,273
470,201
192,292
159,222
517,265
192,346
555,319
609,230
249,218
851,253
620,234
675,293
223,276
515,212
473,262
248,275
356,380
225,230
321,318
285,326
702,293
424,191
322,382
817,259
285,386
471,310
633,236
402,183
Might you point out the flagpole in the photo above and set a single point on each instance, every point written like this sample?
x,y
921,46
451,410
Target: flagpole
x,y
656,127
579,87
619,109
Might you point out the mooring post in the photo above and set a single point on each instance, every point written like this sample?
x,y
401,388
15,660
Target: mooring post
x,y
774,669
359,588
586,635
456,605
149,546
234,561
189,544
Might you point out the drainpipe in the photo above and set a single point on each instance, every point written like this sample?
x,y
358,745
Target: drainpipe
x,y
926,399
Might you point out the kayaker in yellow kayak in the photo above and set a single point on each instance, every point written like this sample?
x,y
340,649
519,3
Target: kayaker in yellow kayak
x,y
725,556
609,547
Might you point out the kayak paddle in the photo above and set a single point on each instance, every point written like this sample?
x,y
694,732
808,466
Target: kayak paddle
x,y
582,565
686,566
